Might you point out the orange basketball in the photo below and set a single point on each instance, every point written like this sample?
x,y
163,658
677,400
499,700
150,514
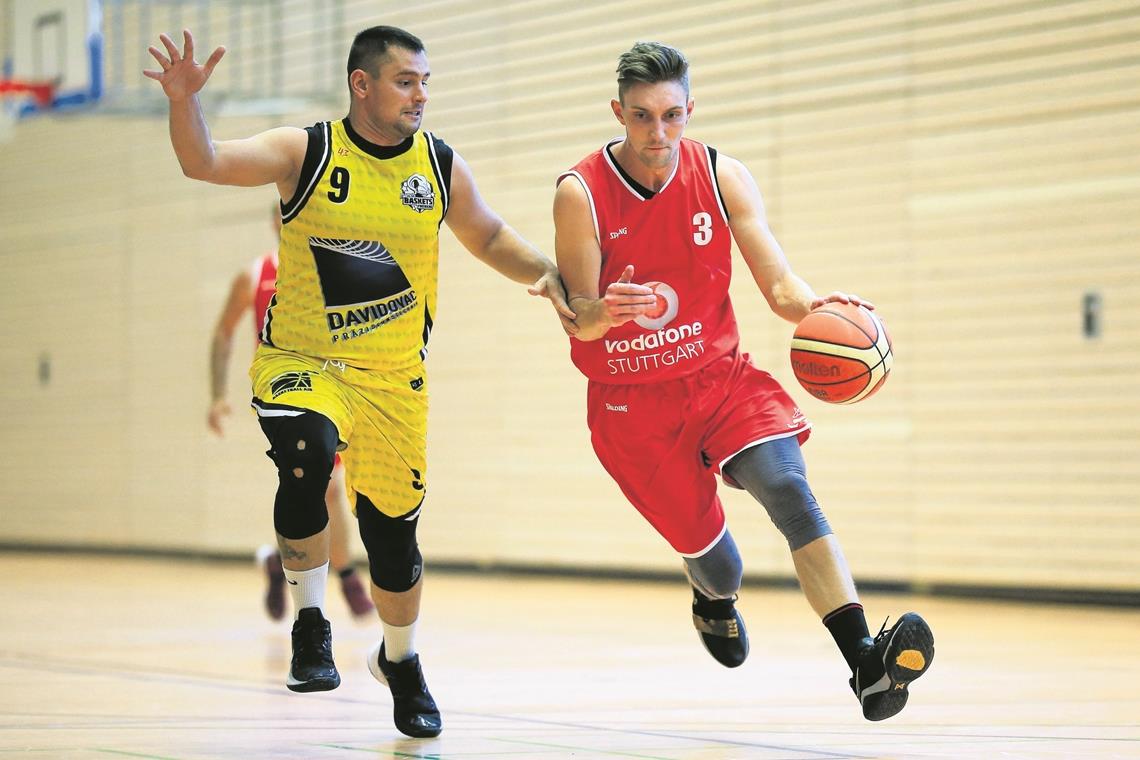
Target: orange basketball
x,y
841,353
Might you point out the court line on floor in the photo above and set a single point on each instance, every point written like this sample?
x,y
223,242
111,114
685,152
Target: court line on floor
x,y
235,684
133,754
167,675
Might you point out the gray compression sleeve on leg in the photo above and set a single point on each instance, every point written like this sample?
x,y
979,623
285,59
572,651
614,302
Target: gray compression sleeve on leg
x,y
717,572
775,474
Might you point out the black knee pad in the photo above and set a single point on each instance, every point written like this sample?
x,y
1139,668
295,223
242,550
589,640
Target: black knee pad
x,y
394,559
303,447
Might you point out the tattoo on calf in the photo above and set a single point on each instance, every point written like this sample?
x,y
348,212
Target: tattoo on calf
x,y
289,552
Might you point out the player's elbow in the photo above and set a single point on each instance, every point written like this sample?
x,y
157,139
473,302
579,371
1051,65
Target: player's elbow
x,y
195,170
490,242
202,166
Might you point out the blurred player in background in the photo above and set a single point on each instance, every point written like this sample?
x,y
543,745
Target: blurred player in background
x,y
341,364
250,292
672,401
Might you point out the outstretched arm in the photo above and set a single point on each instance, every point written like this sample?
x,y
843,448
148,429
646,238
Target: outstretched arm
x,y
273,156
221,346
497,244
787,294
580,261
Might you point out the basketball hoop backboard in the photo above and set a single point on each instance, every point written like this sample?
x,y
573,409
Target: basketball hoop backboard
x,y
57,42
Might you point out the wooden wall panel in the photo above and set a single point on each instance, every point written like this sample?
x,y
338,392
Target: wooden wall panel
x,y
972,167
1021,203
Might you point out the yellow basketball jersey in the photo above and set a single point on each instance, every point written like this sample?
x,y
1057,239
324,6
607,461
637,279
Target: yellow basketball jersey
x,y
359,250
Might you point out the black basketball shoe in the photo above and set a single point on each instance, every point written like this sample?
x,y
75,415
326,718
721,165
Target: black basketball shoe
x,y
413,709
721,628
887,665
313,668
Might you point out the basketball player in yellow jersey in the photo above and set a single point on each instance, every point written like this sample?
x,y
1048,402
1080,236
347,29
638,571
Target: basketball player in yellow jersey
x,y
341,362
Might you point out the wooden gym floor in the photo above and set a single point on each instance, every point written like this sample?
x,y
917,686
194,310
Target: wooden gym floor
x,y
174,660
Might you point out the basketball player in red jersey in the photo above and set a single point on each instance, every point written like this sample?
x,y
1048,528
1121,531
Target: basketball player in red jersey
x,y
250,292
672,401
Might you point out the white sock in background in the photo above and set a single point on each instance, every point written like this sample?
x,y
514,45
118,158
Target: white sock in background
x,y
307,588
399,642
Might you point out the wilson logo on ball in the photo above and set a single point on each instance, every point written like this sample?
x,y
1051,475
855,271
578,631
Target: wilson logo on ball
x,y
841,353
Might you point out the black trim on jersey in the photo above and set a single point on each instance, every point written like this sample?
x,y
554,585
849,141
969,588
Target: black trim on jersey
x,y
267,328
427,332
317,156
442,157
372,149
715,180
638,188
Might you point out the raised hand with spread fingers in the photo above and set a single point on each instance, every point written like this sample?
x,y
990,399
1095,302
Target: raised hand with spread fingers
x,y
180,75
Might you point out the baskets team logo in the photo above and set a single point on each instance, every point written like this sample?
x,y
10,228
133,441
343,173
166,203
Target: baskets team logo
x,y
417,193
664,311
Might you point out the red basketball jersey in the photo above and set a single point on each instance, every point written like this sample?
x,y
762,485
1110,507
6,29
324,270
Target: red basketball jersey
x,y
679,243
264,286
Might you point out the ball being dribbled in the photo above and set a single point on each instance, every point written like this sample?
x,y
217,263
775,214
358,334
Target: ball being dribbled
x,y
841,353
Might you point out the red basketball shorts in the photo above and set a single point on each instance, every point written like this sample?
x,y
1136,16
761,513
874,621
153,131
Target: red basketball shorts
x,y
665,443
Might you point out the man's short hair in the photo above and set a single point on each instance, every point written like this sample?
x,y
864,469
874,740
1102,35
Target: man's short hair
x,y
371,47
650,63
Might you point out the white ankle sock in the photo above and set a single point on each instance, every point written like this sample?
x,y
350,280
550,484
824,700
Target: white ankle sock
x,y
307,588
399,642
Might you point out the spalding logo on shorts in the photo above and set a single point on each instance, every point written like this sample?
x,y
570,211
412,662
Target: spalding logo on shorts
x,y
664,311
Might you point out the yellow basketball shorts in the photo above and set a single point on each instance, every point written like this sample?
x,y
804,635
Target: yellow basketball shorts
x,y
381,418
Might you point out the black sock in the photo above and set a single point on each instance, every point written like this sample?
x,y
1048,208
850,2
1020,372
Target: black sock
x,y
848,627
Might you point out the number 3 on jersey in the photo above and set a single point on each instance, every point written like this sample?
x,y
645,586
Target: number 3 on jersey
x,y
339,180
702,232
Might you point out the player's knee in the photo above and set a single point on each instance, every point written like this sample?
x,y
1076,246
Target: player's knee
x,y
303,448
394,559
788,499
718,572
774,474
716,585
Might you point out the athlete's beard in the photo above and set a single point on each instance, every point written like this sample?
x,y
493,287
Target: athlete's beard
x,y
406,129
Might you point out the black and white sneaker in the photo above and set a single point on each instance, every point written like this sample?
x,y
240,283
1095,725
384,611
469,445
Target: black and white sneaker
x,y
312,668
721,628
897,656
413,710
